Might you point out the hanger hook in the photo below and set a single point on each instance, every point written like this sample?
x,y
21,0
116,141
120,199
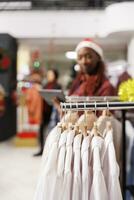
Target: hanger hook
x,y
85,118
77,107
70,105
95,107
70,110
65,112
61,104
107,107
85,105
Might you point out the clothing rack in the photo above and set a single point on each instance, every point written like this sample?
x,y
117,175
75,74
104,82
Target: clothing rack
x,y
97,106
110,105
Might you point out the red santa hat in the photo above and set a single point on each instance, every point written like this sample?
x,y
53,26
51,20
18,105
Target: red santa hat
x,y
90,44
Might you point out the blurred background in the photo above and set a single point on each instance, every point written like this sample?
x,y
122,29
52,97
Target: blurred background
x,y
36,36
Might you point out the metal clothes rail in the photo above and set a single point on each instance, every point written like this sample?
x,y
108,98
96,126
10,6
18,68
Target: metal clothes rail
x,y
97,106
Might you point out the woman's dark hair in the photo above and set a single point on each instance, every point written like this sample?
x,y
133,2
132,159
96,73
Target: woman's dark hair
x,y
100,73
101,68
55,71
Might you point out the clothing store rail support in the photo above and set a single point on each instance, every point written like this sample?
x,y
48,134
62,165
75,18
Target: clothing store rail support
x,y
123,106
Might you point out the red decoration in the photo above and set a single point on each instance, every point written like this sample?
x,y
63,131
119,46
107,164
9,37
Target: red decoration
x,y
5,62
27,134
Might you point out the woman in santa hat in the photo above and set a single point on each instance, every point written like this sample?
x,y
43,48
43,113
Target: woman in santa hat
x,y
91,80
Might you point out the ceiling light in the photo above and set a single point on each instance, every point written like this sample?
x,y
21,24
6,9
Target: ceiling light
x,y
15,5
71,55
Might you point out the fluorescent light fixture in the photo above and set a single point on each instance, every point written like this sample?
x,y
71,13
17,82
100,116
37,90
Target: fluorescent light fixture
x,y
15,5
71,55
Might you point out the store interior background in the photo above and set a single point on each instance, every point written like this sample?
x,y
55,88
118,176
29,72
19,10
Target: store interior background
x,y
52,28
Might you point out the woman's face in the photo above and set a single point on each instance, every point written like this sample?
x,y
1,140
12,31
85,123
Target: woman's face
x,y
88,60
50,76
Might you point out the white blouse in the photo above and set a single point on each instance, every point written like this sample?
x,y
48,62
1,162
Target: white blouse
x,y
77,183
52,136
98,188
111,168
117,133
45,184
67,183
86,169
60,167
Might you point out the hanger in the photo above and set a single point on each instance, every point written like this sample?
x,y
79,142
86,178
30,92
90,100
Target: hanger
x,y
60,127
85,128
69,121
108,123
70,125
76,126
103,119
63,121
70,116
106,112
95,131
86,120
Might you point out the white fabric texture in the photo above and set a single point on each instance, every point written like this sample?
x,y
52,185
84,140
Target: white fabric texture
x,y
77,183
71,117
86,171
111,168
130,135
117,133
45,184
74,167
52,136
60,167
89,118
98,188
67,183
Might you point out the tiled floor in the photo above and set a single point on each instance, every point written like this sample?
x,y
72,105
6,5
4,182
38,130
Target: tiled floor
x,y
19,172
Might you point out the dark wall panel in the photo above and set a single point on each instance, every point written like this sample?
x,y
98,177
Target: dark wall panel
x,y
8,55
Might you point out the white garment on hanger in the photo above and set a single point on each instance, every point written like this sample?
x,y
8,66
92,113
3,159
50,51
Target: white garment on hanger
x,y
86,171
53,136
77,183
73,116
130,136
67,183
111,168
48,175
117,133
57,193
98,188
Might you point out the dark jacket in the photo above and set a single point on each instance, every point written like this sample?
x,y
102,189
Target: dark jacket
x,y
47,109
